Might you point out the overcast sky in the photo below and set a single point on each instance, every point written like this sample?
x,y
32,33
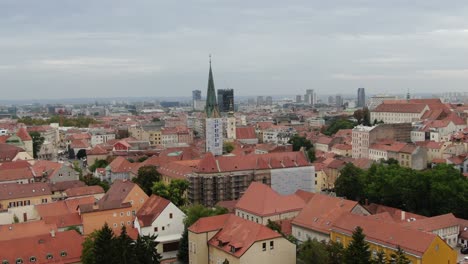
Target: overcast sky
x,y
118,48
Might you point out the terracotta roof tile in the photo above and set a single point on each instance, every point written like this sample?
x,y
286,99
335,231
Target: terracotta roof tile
x,y
322,211
245,133
259,199
386,233
85,190
233,231
15,191
152,208
26,229
41,245
23,134
432,223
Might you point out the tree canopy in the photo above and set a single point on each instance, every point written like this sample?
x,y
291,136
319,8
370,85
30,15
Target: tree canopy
x,y
37,141
436,191
103,246
357,251
66,121
146,177
175,191
337,125
298,142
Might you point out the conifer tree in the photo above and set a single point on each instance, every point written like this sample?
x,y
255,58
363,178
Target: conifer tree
x,y
104,246
357,251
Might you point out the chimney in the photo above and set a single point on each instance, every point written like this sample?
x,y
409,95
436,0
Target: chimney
x,y
403,215
52,233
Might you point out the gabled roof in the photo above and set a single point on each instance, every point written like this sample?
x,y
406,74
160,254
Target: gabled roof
x,y
25,229
114,198
322,211
85,190
46,167
15,190
41,245
151,209
79,143
400,108
62,186
120,164
97,150
396,214
386,233
433,223
23,134
24,173
8,152
259,199
245,132
233,232
18,164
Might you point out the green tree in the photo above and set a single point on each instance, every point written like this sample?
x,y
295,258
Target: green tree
x,y
349,184
192,214
337,125
357,251
87,253
366,117
147,176
228,147
381,258
312,252
145,250
274,226
175,191
311,154
399,257
125,248
99,163
37,141
90,180
298,142
358,115
335,252
104,246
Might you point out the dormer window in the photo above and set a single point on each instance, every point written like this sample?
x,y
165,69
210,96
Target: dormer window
x,y
19,261
32,259
233,249
63,254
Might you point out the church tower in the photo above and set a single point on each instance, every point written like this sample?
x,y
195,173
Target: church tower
x,y
213,121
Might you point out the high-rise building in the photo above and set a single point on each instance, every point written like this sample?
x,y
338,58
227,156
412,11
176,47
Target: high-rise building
x,y
331,100
338,101
298,98
260,100
226,100
196,95
213,121
269,100
310,97
361,97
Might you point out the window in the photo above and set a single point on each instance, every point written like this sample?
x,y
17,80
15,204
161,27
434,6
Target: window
x,y
32,259
115,225
128,213
49,256
272,245
63,254
5,262
156,229
121,214
19,261
122,223
170,216
264,246
163,228
133,212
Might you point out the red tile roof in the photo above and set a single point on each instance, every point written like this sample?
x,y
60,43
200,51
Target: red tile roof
x,y
259,199
18,164
15,191
8,152
152,208
41,245
23,134
396,214
79,144
432,223
245,132
16,174
386,233
400,108
322,211
97,150
121,164
26,229
84,191
233,231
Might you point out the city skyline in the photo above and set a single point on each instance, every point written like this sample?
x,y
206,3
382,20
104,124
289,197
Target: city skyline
x,y
143,48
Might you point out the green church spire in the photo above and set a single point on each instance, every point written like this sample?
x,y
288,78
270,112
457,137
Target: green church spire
x,y
211,108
